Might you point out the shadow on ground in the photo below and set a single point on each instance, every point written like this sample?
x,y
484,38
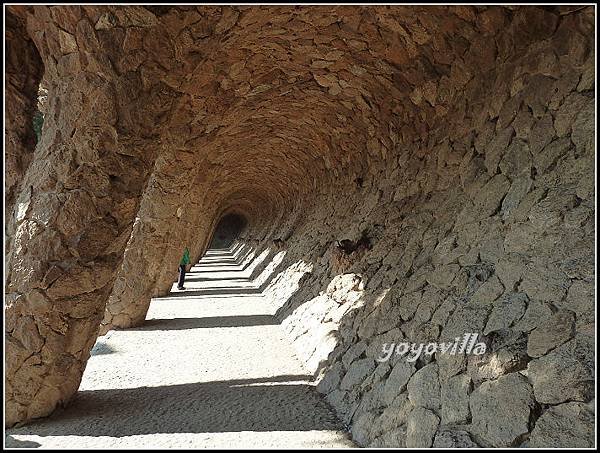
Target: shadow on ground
x,y
11,442
101,348
207,322
281,403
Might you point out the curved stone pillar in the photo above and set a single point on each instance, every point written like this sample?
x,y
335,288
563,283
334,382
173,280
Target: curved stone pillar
x,y
195,229
76,204
162,221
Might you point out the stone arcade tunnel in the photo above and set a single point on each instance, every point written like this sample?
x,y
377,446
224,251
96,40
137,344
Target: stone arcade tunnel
x,y
458,141
227,231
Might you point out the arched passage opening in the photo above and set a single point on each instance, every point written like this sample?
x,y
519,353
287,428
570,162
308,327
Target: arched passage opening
x,y
26,101
227,231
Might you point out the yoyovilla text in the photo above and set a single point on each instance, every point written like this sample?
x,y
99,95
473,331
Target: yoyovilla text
x,y
468,345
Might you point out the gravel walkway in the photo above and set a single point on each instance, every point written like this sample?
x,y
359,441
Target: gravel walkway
x,y
211,368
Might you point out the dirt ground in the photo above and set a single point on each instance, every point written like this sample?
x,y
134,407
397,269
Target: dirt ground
x,y
211,368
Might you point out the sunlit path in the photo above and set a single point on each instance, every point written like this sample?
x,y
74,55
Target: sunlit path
x,y
210,368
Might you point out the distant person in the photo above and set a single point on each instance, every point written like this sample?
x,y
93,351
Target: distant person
x,y
185,260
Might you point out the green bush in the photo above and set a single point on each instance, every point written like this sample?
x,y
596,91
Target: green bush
x,y
38,122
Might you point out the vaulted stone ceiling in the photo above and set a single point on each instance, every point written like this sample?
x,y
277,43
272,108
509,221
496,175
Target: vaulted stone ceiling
x,y
315,123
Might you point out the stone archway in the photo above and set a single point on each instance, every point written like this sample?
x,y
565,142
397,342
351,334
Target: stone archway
x,y
458,140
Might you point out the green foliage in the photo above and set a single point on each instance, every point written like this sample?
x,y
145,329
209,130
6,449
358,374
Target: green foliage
x,y
38,122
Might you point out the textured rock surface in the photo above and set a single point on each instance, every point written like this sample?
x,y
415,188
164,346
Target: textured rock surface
x,y
453,439
557,330
568,425
420,428
501,410
408,173
565,374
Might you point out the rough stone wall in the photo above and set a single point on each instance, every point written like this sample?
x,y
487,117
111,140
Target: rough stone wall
x,y
488,227
448,149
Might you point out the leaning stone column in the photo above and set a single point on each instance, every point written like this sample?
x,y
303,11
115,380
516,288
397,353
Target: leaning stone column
x,y
75,208
196,223
190,233
159,225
